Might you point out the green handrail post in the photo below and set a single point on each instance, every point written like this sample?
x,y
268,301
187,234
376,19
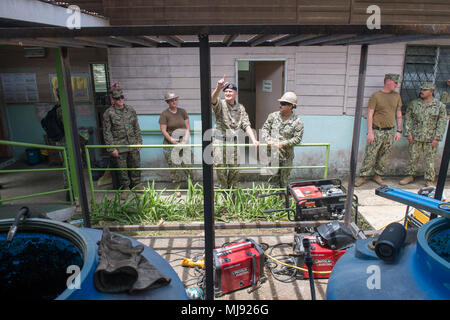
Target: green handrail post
x,y
38,146
327,157
65,114
89,168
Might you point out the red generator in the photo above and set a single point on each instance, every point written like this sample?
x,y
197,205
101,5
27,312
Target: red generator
x,y
238,266
324,258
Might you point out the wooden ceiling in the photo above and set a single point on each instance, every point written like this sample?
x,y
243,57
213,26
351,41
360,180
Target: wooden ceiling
x,y
230,23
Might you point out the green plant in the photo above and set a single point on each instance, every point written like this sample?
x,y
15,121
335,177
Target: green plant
x,y
152,206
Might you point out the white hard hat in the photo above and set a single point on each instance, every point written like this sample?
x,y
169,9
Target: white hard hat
x,y
289,97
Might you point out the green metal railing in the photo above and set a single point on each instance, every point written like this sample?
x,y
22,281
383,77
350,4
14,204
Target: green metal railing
x,y
39,146
90,169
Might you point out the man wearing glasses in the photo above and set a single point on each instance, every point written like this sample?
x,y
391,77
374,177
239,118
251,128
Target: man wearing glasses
x,y
383,109
121,127
425,122
282,131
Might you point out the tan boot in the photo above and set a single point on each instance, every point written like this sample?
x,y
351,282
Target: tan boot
x,y
177,186
125,193
139,187
429,183
378,179
406,180
360,181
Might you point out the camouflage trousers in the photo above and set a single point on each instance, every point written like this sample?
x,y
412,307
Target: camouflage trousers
x,y
429,153
177,176
377,152
226,157
281,177
129,159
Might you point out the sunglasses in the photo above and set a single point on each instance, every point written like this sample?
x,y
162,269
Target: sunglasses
x,y
121,97
285,104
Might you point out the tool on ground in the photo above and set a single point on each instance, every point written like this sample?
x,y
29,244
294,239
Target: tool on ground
x,y
187,262
314,200
309,263
237,266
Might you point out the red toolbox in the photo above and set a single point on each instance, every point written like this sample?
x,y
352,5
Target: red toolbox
x,y
324,258
238,266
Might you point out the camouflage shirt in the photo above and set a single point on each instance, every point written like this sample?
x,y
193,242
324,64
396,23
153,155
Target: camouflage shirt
x,y
445,98
228,117
121,127
425,123
289,132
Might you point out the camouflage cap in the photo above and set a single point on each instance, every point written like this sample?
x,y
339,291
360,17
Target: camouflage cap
x,y
392,76
116,92
427,86
231,86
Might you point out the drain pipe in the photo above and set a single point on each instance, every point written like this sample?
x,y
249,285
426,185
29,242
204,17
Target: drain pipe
x,y
356,133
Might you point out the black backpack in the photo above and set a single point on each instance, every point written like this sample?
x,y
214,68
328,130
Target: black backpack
x,y
52,126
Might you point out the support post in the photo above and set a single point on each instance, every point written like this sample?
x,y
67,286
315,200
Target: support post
x,y
442,171
208,183
73,143
356,133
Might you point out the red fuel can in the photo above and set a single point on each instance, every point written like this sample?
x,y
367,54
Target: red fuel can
x,y
237,266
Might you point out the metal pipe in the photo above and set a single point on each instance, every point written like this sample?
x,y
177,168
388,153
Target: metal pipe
x,y
442,171
208,178
356,133
65,63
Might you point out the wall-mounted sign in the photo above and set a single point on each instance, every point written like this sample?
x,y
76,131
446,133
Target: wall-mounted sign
x,y
267,86
19,87
80,87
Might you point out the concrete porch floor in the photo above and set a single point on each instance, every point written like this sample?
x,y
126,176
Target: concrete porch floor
x,y
174,245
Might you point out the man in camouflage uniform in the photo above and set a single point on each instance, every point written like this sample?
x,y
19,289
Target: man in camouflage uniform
x,y
231,120
445,98
426,118
383,108
121,127
282,131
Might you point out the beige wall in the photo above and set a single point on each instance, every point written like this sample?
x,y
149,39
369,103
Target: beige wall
x,y
324,77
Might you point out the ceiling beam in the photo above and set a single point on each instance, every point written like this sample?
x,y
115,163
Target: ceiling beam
x,y
358,38
228,40
174,41
104,40
33,32
31,42
294,39
261,39
136,40
402,38
323,40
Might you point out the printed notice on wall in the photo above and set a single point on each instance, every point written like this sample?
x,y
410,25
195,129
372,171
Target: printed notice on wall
x,y
19,87
267,86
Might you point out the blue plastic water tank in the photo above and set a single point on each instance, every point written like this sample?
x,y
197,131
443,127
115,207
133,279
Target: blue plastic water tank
x,y
418,274
84,241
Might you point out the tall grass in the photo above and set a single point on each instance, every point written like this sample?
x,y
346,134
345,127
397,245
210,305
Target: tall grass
x,y
152,206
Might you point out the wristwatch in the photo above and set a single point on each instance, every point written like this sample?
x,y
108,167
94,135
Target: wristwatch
x,y
399,131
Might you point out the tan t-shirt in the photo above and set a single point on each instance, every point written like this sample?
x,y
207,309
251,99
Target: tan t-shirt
x,y
385,106
173,120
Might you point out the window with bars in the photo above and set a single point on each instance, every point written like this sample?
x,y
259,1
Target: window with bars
x,y
425,63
